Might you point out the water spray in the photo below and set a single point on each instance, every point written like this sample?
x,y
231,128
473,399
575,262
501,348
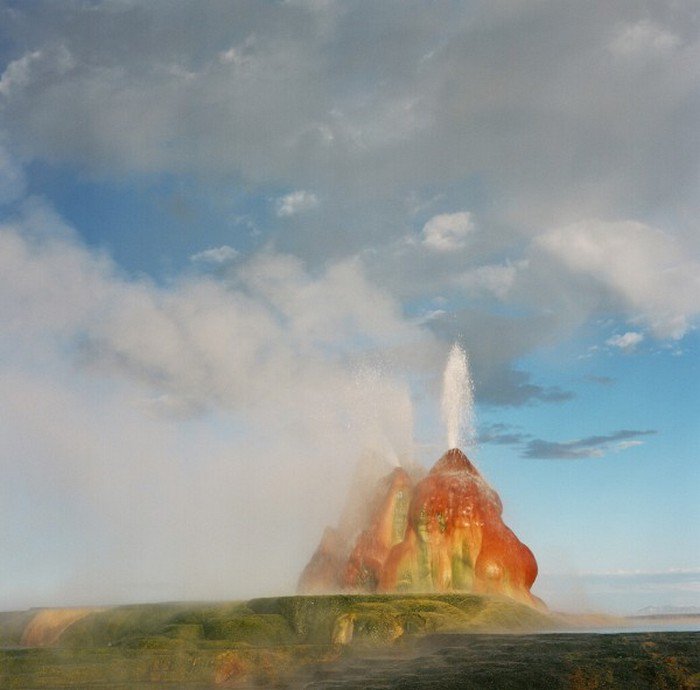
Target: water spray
x,y
458,400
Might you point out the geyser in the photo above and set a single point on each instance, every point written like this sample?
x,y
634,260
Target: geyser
x,y
442,533
438,532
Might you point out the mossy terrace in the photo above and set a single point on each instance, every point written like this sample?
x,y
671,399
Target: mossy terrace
x,y
286,620
339,639
261,640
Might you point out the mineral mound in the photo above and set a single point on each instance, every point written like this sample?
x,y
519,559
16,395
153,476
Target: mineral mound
x,y
442,533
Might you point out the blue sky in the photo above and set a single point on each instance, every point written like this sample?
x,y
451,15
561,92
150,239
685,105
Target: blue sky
x,y
237,241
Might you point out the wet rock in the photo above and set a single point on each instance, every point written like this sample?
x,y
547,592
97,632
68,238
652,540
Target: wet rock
x,y
445,533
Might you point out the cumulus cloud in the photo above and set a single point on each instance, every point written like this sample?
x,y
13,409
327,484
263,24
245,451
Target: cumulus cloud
x,y
516,110
496,279
242,402
17,72
215,255
643,38
627,341
296,202
448,231
12,179
648,271
37,67
240,56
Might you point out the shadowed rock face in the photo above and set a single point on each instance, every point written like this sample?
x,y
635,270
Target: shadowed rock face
x,y
343,562
365,567
47,626
444,534
323,574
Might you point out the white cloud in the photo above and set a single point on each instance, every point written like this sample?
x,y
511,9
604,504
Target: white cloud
x,y
17,72
497,279
430,315
240,56
648,271
215,255
643,38
448,231
532,133
627,341
624,445
12,180
296,202
39,64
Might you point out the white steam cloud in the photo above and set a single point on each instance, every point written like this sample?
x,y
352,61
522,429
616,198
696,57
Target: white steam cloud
x,y
183,441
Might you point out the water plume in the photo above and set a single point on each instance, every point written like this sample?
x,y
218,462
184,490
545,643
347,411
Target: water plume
x,y
458,400
380,414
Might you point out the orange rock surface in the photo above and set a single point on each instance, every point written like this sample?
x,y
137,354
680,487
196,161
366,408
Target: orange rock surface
x,y
444,534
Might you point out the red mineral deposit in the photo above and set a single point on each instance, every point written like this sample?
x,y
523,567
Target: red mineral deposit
x,y
443,534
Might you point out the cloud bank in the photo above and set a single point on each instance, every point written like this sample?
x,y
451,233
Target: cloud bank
x,y
569,133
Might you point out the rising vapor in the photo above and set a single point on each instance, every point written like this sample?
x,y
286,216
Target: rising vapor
x,y
156,433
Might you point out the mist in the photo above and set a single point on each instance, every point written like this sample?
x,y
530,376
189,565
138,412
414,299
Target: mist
x,y
186,440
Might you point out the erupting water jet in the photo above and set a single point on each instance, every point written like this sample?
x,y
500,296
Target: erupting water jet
x,y
440,532
458,400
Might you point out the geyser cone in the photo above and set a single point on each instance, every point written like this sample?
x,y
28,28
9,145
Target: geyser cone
x,y
454,460
444,534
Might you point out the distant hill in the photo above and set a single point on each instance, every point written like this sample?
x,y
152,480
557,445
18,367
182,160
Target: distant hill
x,y
668,611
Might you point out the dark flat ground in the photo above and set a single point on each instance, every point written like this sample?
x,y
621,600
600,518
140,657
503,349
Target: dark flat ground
x,y
581,661
559,660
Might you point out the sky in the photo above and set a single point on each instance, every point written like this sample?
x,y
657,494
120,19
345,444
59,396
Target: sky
x,y
238,240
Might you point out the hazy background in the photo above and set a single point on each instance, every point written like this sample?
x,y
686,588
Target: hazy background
x,y
237,241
